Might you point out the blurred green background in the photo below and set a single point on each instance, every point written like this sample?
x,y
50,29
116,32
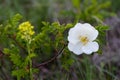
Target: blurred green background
x,y
85,67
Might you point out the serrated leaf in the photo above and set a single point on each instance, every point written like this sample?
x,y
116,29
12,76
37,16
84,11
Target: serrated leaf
x,y
16,59
19,73
6,51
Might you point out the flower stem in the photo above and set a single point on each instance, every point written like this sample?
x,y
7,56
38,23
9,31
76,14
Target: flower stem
x,y
30,62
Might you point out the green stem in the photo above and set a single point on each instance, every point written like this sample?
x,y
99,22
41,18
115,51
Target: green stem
x,y
30,62
18,78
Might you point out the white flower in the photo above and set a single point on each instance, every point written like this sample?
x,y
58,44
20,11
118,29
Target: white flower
x,y
81,39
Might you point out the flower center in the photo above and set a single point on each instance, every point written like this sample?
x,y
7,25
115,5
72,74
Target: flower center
x,y
84,40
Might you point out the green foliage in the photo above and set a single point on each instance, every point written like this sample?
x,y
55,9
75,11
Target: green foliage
x,y
76,3
9,28
18,61
102,29
93,8
14,55
21,53
23,56
67,60
115,5
86,10
15,20
47,42
20,73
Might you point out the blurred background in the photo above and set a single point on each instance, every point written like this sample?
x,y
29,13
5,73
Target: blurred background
x,y
104,66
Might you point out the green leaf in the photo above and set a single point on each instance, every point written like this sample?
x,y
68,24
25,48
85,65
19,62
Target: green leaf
x,y
15,19
31,56
6,51
16,59
20,73
76,3
102,36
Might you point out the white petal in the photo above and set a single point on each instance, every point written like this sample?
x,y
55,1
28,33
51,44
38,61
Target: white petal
x,y
78,25
90,47
93,35
85,30
73,39
88,25
73,35
90,31
70,46
76,49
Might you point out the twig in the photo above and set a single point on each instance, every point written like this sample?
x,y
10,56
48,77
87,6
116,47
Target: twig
x,y
2,64
1,54
52,59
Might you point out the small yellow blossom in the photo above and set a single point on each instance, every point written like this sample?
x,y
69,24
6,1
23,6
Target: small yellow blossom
x,y
26,30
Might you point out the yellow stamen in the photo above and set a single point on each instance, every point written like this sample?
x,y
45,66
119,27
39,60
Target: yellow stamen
x,y
84,40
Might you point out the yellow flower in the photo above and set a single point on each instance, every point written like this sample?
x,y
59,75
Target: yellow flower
x,y
26,30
